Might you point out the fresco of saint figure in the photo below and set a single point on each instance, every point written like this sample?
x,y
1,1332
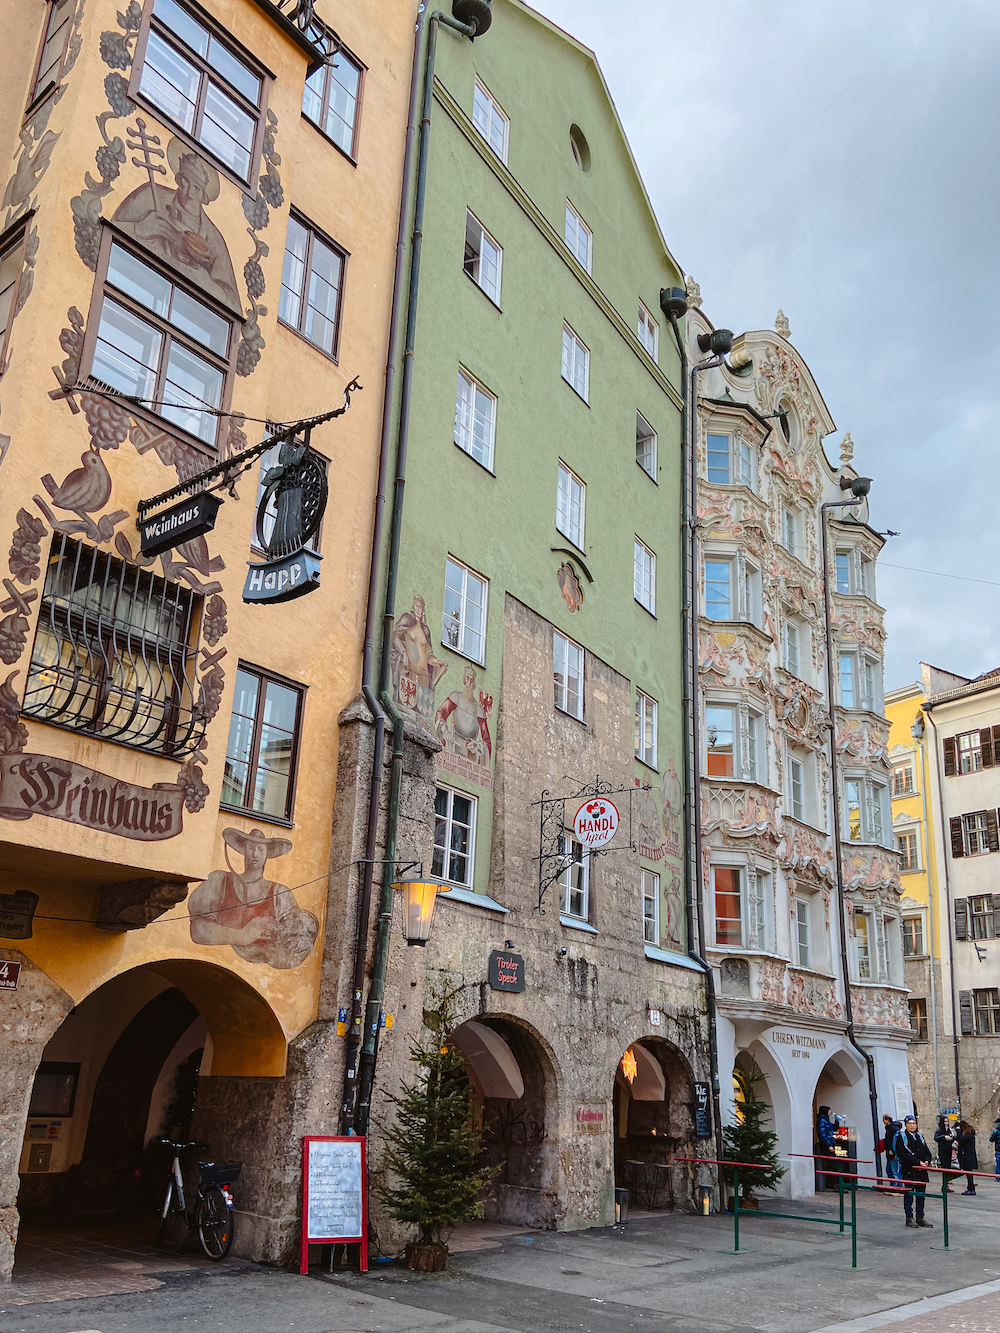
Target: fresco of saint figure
x,y
257,917
174,225
462,721
415,669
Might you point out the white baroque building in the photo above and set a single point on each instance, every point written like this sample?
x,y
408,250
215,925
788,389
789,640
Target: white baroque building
x,y
768,865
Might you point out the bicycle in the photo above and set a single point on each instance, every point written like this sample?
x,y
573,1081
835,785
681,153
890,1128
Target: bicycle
x,y
212,1216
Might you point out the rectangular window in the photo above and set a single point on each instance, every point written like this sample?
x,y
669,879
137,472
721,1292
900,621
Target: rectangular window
x,y
868,577
789,530
454,837
970,755
475,420
644,577
975,831
744,461
645,728
987,1007
721,735
848,680
762,911
879,795
579,237
567,670
650,884
649,332
719,589
574,881
483,258
202,86
861,922
906,845
790,646
981,921
311,285
843,571
463,626
645,445
263,745
902,780
719,447
54,48
575,363
802,931
331,99
11,263
571,496
913,936
754,594
490,120
115,653
853,793
796,788
161,346
918,1018
756,749
728,886
871,692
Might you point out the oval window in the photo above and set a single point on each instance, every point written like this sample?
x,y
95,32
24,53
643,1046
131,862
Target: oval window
x,y
580,147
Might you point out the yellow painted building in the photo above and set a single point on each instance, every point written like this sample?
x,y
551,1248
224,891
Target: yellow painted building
x,y
915,838
198,218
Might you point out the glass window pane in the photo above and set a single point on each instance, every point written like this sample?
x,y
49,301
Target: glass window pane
x,y
139,281
227,130
170,82
127,352
191,384
197,320
293,273
718,459
324,284
280,706
312,96
718,597
242,79
342,108
180,21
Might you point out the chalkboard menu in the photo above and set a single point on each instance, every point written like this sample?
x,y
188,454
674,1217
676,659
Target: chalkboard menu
x,y
702,1111
334,1195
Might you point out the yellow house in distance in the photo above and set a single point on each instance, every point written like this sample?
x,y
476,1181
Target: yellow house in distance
x,y
915,837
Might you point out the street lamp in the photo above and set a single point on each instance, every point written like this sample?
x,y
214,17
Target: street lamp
x,y
419,898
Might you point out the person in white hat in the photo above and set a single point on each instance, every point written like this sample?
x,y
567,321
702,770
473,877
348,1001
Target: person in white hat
x,y
257,917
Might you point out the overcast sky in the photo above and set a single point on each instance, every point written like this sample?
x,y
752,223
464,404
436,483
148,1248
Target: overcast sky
x,y
840,161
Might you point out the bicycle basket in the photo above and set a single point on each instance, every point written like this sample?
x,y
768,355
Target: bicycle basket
x,y
222,1173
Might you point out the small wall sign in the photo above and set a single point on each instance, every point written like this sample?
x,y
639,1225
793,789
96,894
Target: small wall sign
x,y
17,910
596,822
654,1017
9,974
506,971
590,1117
282,580
702,1112
193,517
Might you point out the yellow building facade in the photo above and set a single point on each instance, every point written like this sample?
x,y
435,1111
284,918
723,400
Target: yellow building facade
x,y
198,220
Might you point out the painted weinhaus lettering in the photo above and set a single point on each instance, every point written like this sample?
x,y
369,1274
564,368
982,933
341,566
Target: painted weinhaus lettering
x,y
37,784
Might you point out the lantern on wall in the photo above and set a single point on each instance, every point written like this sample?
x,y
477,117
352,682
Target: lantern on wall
x,y
419,898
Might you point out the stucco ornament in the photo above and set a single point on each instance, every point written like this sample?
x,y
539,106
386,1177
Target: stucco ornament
x,y
781,325
693,290
846,448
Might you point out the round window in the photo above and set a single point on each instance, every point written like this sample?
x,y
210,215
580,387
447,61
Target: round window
x,y
580,147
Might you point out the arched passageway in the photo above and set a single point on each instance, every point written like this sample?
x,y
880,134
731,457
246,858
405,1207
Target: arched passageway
x,y
514,1100
653,1124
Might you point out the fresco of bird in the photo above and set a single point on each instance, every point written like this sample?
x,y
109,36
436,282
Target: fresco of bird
x,y
86,489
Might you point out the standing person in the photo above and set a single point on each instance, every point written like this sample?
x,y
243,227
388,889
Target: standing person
x,y
995,1140
825,1129
967,1158
946,1140
889,1131
913,1155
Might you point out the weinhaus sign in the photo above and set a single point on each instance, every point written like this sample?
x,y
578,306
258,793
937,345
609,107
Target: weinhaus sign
x,y
37,784
193,517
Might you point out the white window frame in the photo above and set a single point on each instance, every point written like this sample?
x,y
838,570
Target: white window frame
x,y
715,452
761,919
866,956
741,896
473,400
795,783
467,576
868,577
567,655
449,821
753,594
803,931
732,600
571,501
744,463
577,868
791,646
975,835
646,713
790,529
644,576
918,936
579,238
845,554
756,748
649,888
648,331
875,806
908,831
642,438
473,263
847,676
973,752
733,709
486,112
575,364
981,918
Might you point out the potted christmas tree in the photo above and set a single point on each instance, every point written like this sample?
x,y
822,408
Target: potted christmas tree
x,y
747,1140
432,1149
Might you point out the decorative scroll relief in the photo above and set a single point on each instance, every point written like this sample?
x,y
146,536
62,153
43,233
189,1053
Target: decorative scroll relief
x,y
880,1008
808,994
871,869
742,812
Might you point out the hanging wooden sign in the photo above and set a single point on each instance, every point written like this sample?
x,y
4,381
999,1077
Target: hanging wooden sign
x,y
334,1194
17,912
192,517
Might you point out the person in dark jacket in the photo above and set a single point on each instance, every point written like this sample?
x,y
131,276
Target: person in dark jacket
x,y
890,1129
995,1140
914,1156
967,1158
825,1130
946,1138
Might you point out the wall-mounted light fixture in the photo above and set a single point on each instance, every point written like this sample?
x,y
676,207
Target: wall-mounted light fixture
x,y
419,899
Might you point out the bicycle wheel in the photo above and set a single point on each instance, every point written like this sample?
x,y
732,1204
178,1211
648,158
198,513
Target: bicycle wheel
x,y
214,1221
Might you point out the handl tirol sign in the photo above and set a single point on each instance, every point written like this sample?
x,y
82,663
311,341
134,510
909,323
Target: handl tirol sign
x,y
596,822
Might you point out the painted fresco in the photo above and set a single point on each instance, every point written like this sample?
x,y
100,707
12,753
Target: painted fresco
x,y
659,818
416,669
462,723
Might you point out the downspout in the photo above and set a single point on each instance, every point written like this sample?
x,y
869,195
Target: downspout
x,y
837,822
380,961
694,885
375,789
930,914
949,918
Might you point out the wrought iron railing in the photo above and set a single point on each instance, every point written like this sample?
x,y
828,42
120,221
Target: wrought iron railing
x,y
115,653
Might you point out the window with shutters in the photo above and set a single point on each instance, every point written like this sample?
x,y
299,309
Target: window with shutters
x,y
981,916
918,1018
979,833
913,936
906,845
987,1012
970,755
971,751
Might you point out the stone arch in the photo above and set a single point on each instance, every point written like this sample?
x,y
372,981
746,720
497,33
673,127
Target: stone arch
x,y
654,1123
778,1095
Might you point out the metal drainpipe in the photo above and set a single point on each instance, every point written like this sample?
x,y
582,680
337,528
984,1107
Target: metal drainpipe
x,y
380,961
922,749
837,849
694,893
368,653
949,918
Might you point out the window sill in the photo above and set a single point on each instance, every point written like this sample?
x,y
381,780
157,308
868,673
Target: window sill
x,y
646,473
574,923
647,764
642,606
495,304
256,815
575,545
656,955
473,458
327,356
576,391
458,653
332,142
472,899
572,716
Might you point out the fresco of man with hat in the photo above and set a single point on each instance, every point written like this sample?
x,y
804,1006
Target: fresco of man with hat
x,y
257,917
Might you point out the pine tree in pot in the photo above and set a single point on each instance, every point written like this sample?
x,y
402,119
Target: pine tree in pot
x,y
747,1140
432,1149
